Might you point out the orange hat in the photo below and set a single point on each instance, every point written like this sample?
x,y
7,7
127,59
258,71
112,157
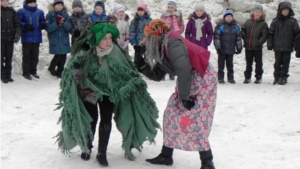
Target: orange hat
x,y
157,27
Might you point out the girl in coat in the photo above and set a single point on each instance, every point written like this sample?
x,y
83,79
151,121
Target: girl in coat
x,y
122,21
10,34
189,113
79,19
99,13
136,30
255,34
32,22
199,28
100,73
58,27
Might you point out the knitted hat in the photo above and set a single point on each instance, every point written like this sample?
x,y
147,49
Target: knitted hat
x,y
77,3
200,6
258,8
227,12
118,8
100,30
100,3
143,6
55,2
29,1
157,27
172,3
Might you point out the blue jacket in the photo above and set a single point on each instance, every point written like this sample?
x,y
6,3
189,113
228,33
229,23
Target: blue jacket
x,y
59,42
35,17
96,18
136,35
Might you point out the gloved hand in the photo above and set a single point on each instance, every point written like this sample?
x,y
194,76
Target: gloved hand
x,y
77,73
219,51
43,25
29,27
238,52
188,104
16,39
137,48
77,33
60,20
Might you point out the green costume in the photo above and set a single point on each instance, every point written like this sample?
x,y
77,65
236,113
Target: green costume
x,y
115,76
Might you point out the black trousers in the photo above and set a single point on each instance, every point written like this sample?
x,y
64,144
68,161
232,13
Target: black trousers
x,y
58,61
282,64
106,112
7,49
30,57
222,58
138,55
256,56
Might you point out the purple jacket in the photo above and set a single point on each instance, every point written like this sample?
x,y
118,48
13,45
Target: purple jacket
x,y
207,30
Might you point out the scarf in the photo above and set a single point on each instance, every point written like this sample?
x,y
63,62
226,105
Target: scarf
x,y
199,24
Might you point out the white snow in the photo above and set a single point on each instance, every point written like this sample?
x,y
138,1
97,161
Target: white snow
x,y
255,126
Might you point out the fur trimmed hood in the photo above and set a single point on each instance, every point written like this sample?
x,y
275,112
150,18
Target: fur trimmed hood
x,y
51,8
176,13
191,16
221,20
114,18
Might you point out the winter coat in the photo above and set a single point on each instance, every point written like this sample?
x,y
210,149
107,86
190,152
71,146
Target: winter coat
x,y
123,26
174,20
10,24
79,21
97,18
137,35
35,17
207,30
298,47
227,37
255,33
59,42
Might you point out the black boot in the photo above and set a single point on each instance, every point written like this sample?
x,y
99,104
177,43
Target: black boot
x,y
164,158
206,159
172,77
282,81
86,156
104,134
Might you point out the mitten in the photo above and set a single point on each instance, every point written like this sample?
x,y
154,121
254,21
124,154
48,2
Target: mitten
x,y
188,104
60,20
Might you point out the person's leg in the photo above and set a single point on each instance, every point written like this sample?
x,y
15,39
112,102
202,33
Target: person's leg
x,y
230,70
286,58
221,66
258,66
61,64
3,58
164,158
249,62
206,158
55,60
27,52
106,112
35,60
277,67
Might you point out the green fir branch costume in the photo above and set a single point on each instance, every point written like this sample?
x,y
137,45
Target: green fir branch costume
x,y
135,111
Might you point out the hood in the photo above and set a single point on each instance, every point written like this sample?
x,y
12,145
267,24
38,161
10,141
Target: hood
x,y
51,8
146,16
114,17
103,14
284,5
176,13
25,6
194,16
263,17
78,14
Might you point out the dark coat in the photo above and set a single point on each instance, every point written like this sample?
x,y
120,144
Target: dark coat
x,y
137,35
227,37
255,33
283,31
59,42
79,21
10,24
35,17
298,48
207,30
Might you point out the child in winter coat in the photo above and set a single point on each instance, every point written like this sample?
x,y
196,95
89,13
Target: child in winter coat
x,y
227,41
79,19
99,13
32,22
282,39
122,22
10,34
136,31
199,29
255,34
58,27
298,48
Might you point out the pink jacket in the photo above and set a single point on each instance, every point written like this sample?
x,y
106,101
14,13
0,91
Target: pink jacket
x,y
174,20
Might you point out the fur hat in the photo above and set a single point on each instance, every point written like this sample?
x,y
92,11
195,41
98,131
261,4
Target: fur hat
x,y
258,8
77,3
227,12
55,2
100,30
118,8
99,3
172,3
29,1
143,6
199,6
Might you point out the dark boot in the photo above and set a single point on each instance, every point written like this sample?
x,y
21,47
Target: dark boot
x,y
257,81
172,77
282,81
276,80
231,81
247,81
104,134
86,156
221,82
164,158
206,159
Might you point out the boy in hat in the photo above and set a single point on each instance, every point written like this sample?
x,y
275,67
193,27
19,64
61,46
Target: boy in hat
x,y
32,22
99,13
79,19
227,41
58,28
283,33
255,34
